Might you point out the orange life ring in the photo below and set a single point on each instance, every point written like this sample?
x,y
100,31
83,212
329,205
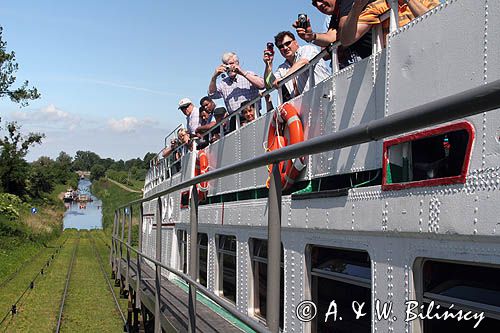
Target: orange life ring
x,y
201,168
286,116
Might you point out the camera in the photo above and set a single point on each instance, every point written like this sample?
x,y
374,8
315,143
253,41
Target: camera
x,y
270,48
302,21
228,68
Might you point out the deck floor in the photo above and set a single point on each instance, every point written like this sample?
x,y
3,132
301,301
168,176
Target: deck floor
x,y
174,304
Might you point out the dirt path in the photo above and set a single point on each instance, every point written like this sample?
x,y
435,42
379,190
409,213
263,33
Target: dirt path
x,y
122,186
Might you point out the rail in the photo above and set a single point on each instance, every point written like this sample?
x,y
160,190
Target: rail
x,y
471,102
101,267
66,285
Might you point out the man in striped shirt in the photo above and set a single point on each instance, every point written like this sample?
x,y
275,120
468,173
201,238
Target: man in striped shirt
x,y
360,20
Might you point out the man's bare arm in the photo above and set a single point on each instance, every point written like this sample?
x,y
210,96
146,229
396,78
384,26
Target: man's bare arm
x,y
351,30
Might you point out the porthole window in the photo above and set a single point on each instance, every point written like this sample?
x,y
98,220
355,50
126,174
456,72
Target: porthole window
x,y
433,157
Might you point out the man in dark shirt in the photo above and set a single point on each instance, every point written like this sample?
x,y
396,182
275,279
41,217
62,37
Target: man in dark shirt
x,y
338,11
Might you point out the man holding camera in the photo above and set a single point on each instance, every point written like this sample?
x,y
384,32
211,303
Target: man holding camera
x,y
237,87
295,58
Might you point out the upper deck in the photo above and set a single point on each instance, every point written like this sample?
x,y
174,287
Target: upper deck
x,y
426,60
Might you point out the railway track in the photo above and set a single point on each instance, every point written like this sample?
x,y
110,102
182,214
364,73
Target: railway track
x,y
65,292
28,262
31,285
105,275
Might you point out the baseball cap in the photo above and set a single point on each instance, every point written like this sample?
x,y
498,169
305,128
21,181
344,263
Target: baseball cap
x,y
184,101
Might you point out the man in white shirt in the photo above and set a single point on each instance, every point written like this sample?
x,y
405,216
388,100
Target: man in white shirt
x,y
192,114
295,58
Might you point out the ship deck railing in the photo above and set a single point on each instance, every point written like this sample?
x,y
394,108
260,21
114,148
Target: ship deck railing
x,y
464,104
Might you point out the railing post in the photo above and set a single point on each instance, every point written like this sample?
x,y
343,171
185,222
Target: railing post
x,y
394,18
113,244
117,245
274,250
129,243
193,257
139,273
122,238
157,298
158,219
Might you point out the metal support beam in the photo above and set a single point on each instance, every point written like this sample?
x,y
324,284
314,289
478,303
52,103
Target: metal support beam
x,y
158,220
274,250
193,257
139,273
118,248
129,241
113,244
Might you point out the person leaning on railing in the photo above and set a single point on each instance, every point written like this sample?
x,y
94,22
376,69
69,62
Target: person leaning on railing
x,y
337,11
365,15
207,120
295,58
219,113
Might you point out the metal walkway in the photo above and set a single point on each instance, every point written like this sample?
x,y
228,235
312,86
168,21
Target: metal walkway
x,y
174,303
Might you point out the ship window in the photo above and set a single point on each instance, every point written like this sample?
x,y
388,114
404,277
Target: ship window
x,y
227,266
203,253
182,241
343,276
185,199
468,287
433,157
259,270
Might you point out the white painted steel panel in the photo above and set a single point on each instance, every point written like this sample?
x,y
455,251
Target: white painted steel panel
x,y
222,153
492,40
433,57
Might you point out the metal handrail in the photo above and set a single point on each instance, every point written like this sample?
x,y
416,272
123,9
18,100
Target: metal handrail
x,y
477,100
254,324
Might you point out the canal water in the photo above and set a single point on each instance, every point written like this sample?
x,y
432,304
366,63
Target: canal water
x,y
81,215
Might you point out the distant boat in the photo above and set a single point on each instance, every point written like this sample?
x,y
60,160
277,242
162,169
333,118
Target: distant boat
x,y
68,196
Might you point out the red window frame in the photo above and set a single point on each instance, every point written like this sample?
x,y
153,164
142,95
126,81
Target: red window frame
x,y
464,125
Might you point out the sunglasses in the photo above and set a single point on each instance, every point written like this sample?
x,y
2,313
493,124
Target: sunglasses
x,y
184,107
285,44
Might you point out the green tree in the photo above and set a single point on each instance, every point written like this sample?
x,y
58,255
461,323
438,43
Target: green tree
x,y
8,68
84,160
42,176
13,167
97,171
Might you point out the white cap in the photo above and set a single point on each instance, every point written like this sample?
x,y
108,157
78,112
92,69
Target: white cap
x,y
184,101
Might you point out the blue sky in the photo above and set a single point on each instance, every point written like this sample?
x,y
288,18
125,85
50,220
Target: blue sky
x,y
111,72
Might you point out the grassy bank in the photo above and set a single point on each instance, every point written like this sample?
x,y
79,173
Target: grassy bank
x,y
24,233
112,197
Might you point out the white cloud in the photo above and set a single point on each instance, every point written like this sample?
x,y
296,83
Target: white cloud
x,y
127,124
49,114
